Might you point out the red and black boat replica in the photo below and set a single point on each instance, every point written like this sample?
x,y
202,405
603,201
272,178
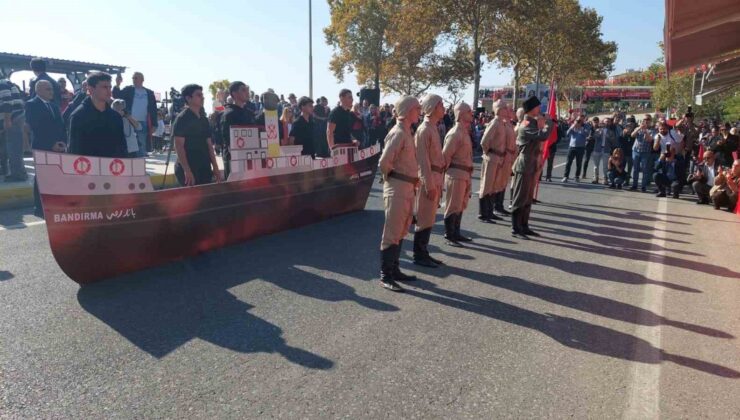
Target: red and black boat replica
x,y
104,217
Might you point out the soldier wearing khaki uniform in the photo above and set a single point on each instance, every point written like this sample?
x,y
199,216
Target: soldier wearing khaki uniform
x,y
431,174
399,169
504,175
493,144
458,154
532,131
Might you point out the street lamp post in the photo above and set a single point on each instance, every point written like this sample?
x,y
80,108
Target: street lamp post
x,y
310,53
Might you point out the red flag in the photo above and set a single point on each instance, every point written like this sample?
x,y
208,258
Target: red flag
x,y
552,110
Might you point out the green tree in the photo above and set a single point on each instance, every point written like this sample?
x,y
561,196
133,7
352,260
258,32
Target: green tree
x,y
358,34
218,85
470,24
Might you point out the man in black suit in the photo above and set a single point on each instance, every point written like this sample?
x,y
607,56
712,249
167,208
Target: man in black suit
x,y
38,66
47,126
142,105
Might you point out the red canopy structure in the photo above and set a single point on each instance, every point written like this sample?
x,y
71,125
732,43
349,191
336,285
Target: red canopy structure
x,y
700,32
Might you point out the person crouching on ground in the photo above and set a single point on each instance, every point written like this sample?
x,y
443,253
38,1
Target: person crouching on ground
x,y
702,179
399,169
616,171
665,175
724,192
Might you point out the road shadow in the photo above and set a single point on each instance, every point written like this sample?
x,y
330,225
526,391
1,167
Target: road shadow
x,y
160,309
618,224
629,214
585,302
638,213
572,333
6,275
667,260
606,237
580,268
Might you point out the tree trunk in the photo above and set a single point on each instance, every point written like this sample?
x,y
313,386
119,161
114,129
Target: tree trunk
x,y
515,101
476,62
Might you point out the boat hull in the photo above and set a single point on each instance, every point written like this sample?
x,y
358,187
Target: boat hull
x,y
94,237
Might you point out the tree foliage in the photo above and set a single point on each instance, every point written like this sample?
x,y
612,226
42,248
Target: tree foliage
x,y
392,43
358,34
218,85
563,39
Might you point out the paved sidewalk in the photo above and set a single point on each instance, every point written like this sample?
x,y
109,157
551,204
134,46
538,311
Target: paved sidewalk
x,y
20,194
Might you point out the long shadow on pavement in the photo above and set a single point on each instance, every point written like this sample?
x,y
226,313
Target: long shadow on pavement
x,y
632,213
580,268
667,260
605,236
585,302
160,309
569,332
617,224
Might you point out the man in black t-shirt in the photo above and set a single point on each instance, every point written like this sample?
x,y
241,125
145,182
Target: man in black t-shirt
x,y
303,127
196,159
238,113
339,129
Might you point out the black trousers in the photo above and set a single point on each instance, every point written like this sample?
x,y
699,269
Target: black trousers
x,y
550,161
577,154
585,164
663,184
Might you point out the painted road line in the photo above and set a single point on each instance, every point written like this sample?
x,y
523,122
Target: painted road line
x,y
22,225
644,382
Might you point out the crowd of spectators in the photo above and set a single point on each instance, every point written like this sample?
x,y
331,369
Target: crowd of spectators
x,y
676,155
102,119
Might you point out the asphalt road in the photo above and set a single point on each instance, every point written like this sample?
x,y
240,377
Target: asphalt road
x,y
627,307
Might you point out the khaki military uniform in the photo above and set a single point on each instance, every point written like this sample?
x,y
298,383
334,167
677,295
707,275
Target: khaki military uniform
x,y
493,145
399,168
509,143
458,154
431,173
526,166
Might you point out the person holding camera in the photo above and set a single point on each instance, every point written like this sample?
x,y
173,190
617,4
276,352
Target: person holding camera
x,y
616,172
726,186
642,153
665,175
577,135
702,179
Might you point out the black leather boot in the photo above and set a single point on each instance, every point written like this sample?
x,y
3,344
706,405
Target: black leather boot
x,y
427,234
450,237
421,254
459,236
397,274
490,206
387,257
483,209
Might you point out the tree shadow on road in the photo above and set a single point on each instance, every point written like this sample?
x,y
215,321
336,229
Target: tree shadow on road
x,y
160,309
569,332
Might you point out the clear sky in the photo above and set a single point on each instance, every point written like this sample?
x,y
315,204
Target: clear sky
x,y
263,43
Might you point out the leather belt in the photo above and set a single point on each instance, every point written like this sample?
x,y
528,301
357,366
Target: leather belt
x,y
496,153
402,177
462,167
438,169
